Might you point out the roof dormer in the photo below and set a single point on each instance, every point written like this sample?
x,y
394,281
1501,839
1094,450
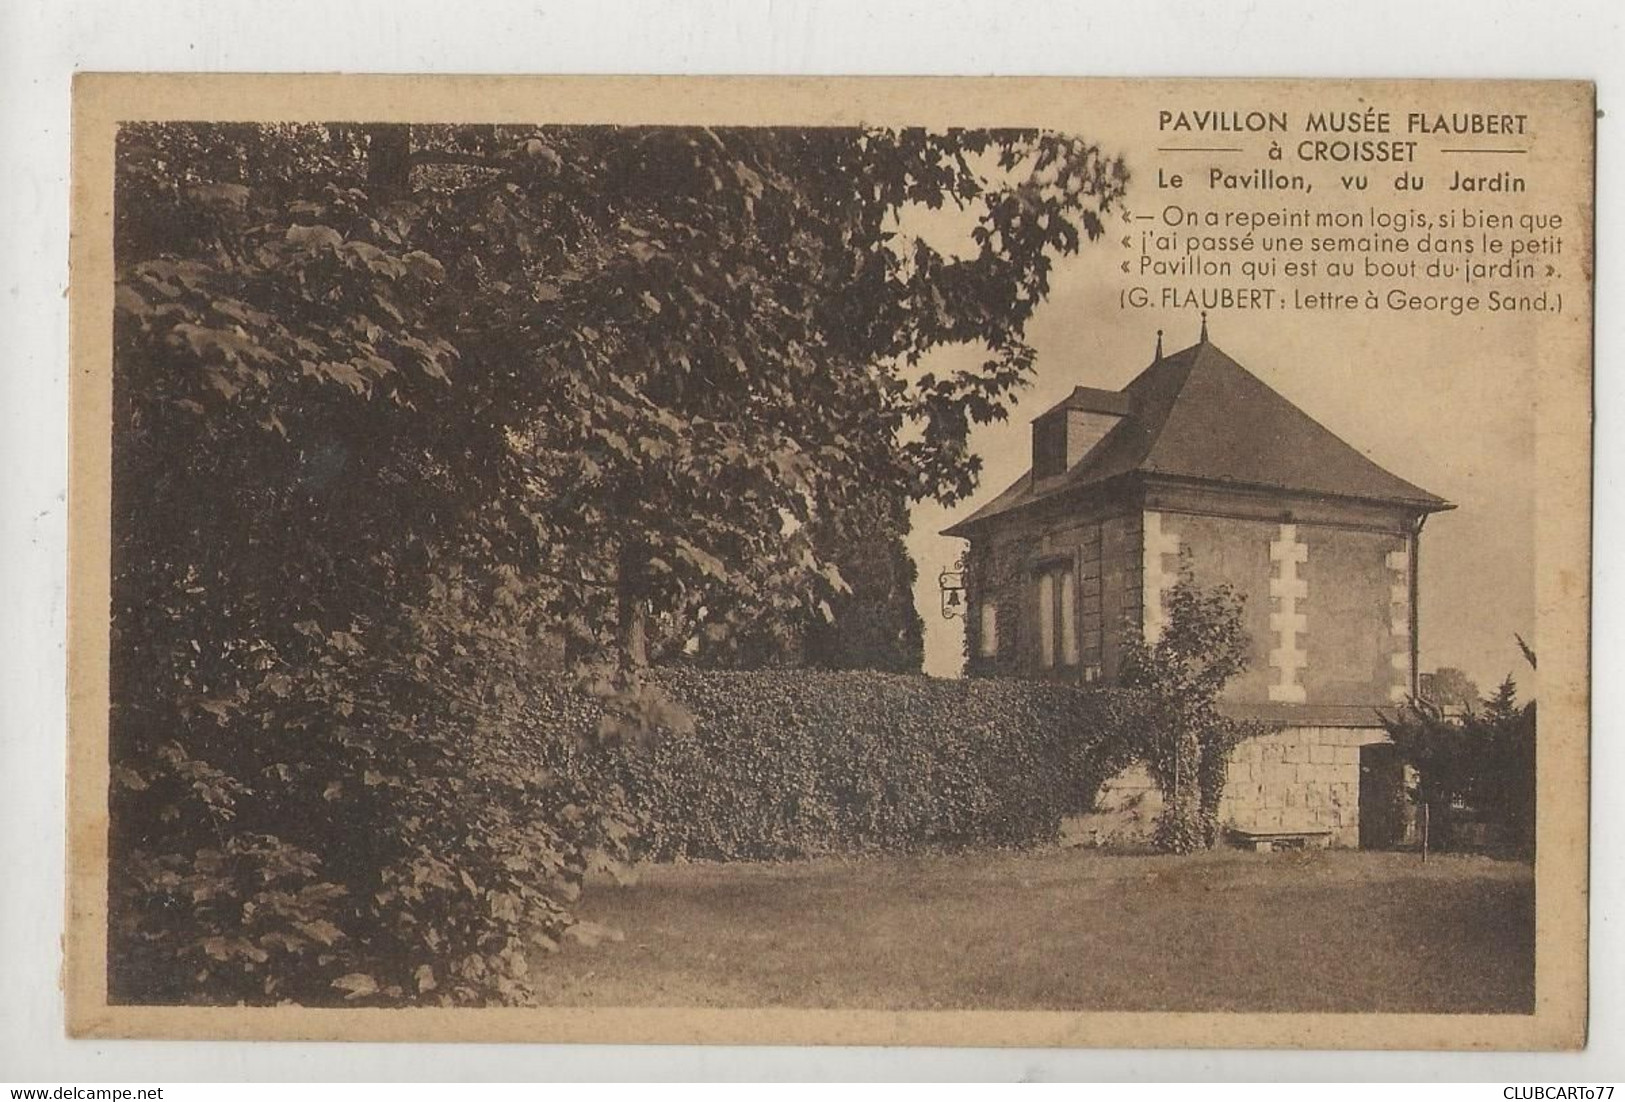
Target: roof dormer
x,y
1065,433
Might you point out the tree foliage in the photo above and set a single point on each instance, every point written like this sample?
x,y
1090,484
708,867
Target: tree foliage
x,y
395,405
873,626
1450,687
1187,740
870,624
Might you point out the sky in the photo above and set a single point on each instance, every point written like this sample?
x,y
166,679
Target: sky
x,y
1444,402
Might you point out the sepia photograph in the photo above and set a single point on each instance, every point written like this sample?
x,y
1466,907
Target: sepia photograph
x,y
957,562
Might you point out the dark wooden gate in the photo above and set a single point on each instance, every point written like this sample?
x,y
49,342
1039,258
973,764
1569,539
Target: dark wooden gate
x,y
1382,797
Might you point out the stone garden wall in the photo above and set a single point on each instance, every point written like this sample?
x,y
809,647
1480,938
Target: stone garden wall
x,y
1298,778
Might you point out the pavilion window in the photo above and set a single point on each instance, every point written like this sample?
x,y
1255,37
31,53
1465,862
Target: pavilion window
x,y
1057,616
1068,597
987,630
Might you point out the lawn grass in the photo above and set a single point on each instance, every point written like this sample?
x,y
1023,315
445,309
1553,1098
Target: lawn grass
x,y
1065,929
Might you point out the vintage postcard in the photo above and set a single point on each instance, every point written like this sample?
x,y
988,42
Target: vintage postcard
x,y
973,562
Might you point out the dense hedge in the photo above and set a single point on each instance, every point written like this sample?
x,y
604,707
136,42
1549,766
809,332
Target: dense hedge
x,y
780,764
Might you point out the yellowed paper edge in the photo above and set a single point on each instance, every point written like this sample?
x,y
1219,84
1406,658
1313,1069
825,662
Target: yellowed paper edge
x,y
1563,454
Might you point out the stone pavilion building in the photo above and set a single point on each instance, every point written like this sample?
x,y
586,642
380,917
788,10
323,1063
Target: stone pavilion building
x,y
1197,464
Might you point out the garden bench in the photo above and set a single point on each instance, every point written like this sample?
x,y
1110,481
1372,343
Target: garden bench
x,y
1264,841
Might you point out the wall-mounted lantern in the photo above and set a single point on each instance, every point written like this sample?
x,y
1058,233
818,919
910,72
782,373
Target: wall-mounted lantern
x,y
951,582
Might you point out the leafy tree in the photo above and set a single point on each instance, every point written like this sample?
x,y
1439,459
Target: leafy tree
x,y
874,625
871,624
1183,738
393,405
1505,787
1451,687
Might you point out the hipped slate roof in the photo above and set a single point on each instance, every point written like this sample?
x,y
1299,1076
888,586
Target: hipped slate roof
x,y
1197,414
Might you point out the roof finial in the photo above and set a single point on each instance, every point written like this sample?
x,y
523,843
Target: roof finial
x,y
1159,344
1204,327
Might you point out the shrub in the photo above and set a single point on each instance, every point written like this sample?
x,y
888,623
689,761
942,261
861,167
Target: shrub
x,y
1180,733
343,826
1482,763
785,764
